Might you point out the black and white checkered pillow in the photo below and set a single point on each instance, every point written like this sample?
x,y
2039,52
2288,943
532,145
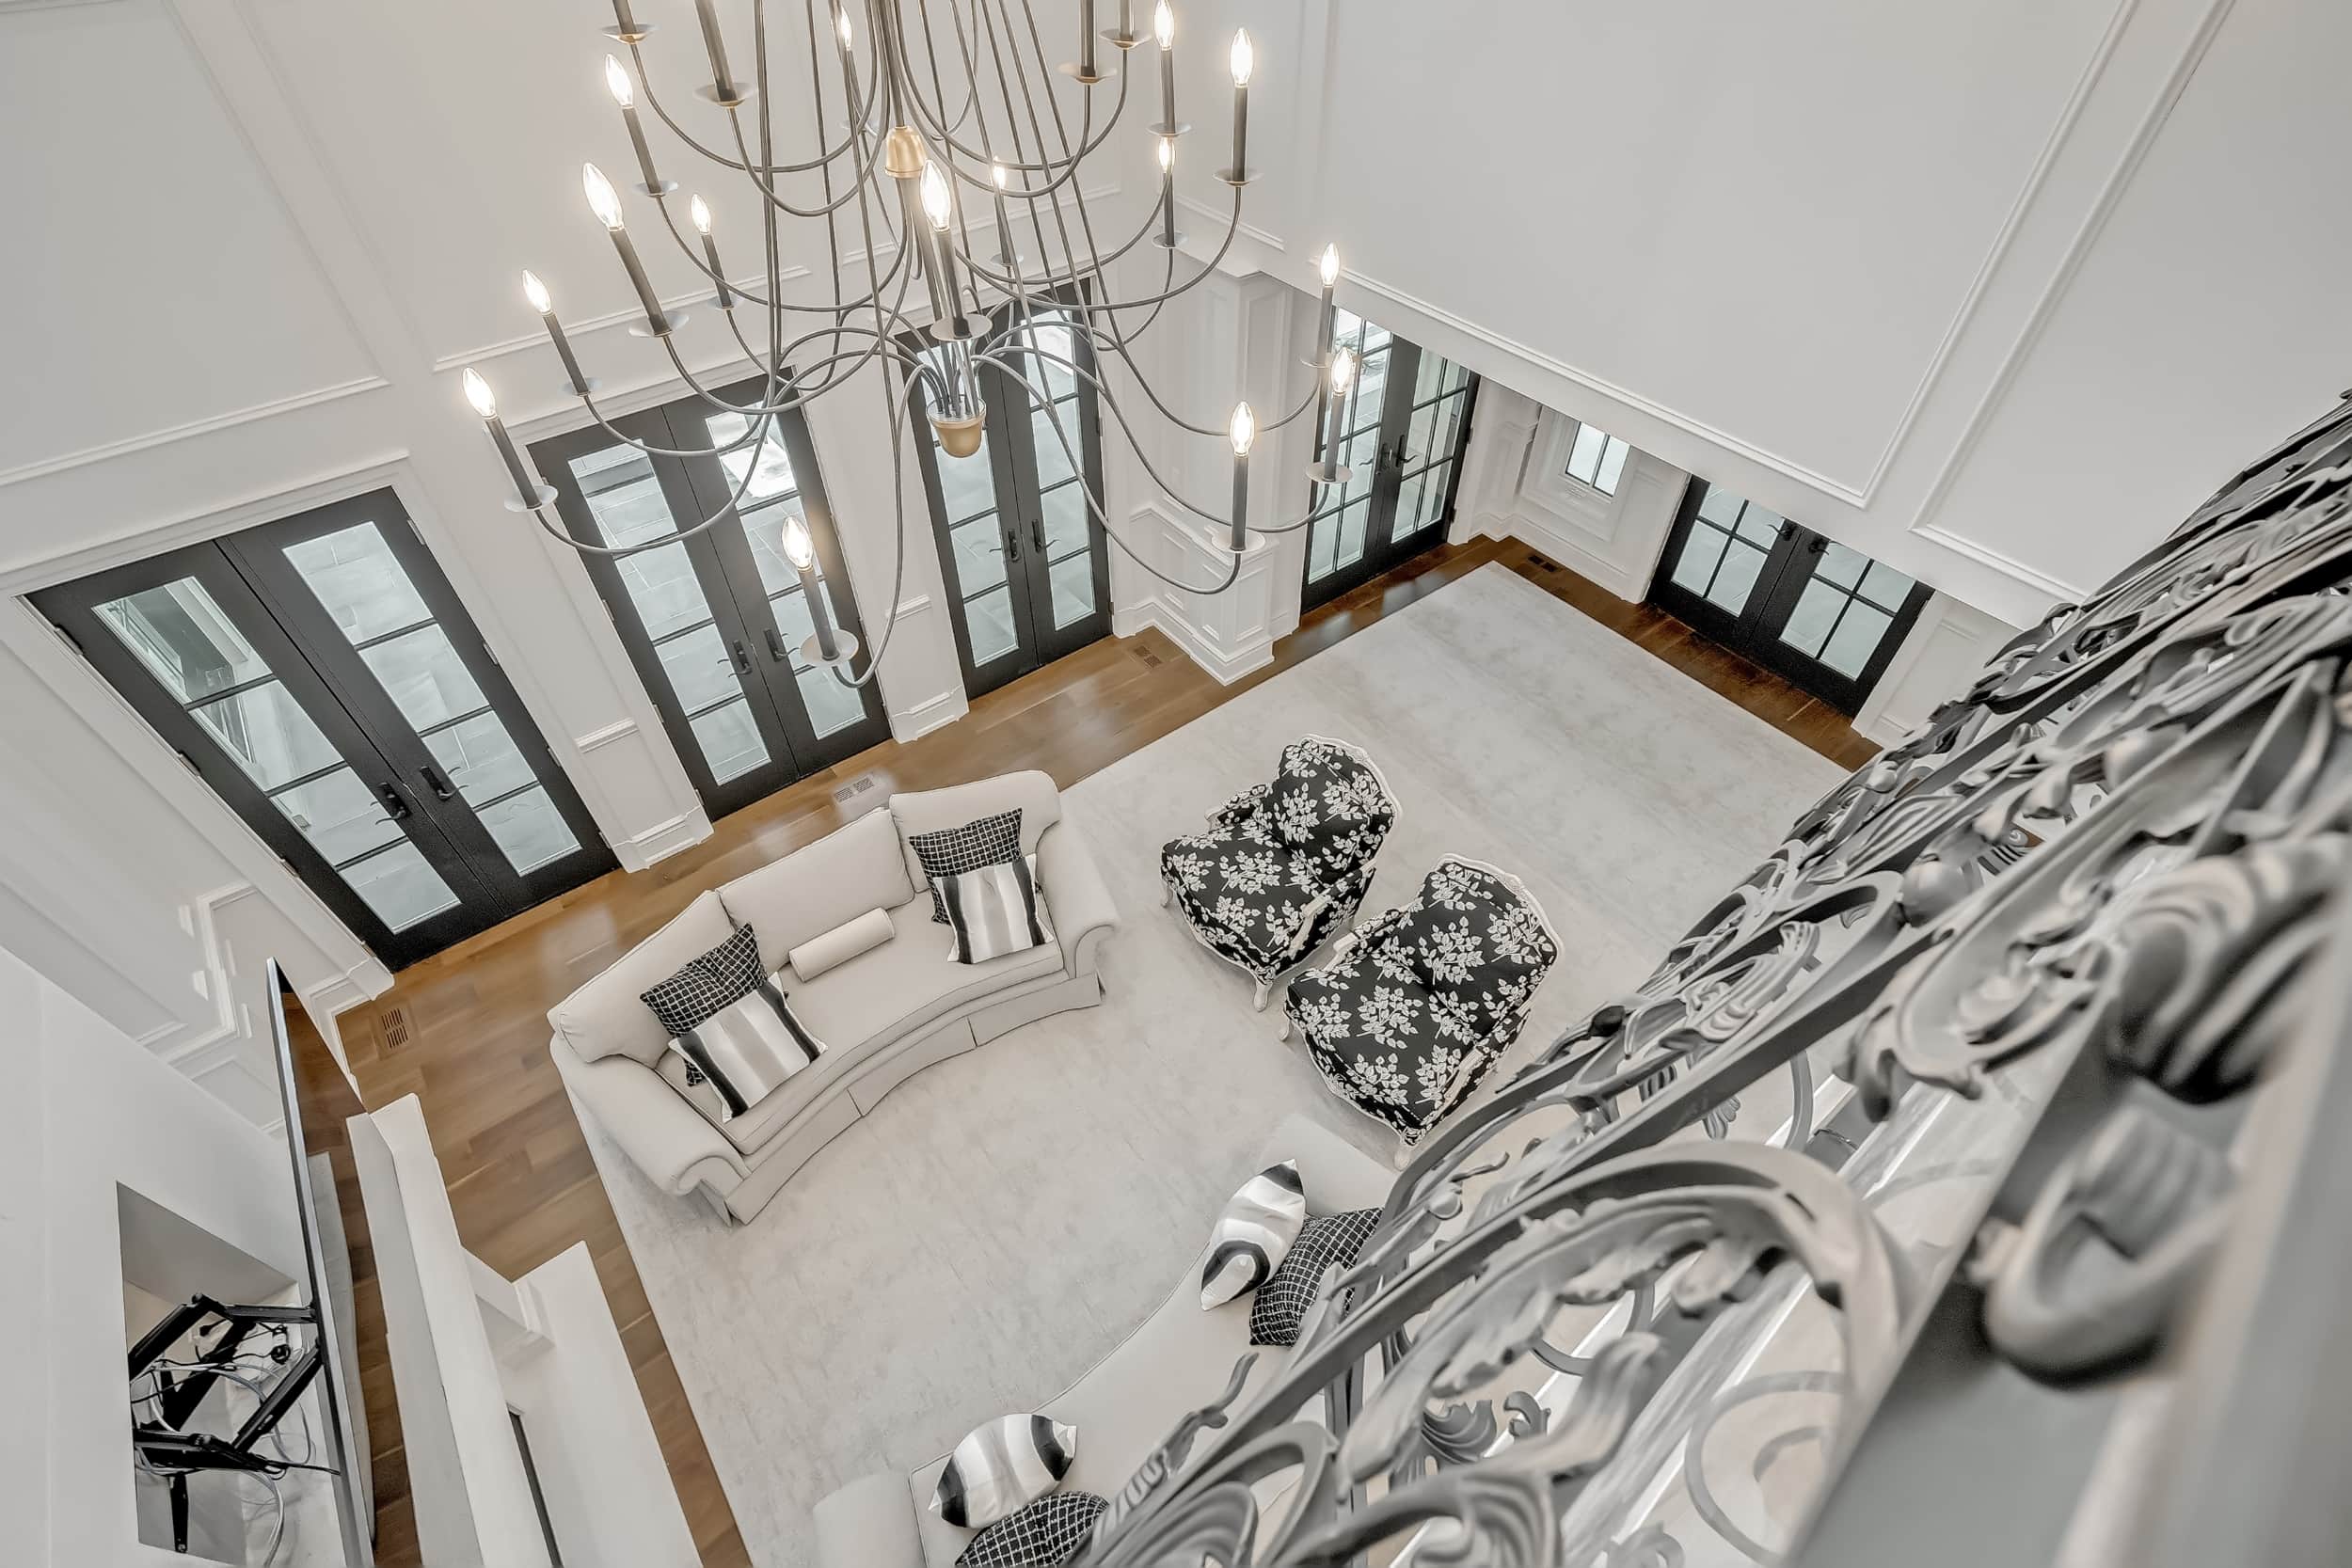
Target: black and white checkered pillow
x,y
718,979
1329,1242
950,851
1045,1534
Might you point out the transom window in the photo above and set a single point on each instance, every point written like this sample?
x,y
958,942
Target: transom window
x,y
1597,458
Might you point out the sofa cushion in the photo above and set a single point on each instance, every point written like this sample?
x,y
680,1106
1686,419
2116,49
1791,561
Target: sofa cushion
x,y
605,1017
814,888
706,983
927,811
1329,1242
984,841
1001,1468
834,948
1050,1530
862,1006
1260,1222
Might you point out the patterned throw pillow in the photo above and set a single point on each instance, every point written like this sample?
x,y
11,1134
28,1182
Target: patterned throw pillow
x,y
990,841
1045,1534
702,986
993,910
1329,1242
1254,1233
1001,1468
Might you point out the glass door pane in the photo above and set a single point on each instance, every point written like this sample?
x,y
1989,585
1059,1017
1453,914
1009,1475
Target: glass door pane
x,y
1824,615
770,484
191,647
1024,551
626,505
1402,442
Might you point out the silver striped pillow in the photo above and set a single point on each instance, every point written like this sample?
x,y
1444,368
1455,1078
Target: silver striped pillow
x,y
1254,1233
745,1051
1002,1467
993,910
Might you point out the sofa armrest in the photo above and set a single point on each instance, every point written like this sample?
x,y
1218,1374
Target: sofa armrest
x,y
869,1523
668,1139
1076,896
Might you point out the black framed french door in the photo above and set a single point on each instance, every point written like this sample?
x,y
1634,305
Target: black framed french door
x,y
1025,559
1819,612
1408,422
321,675
715,622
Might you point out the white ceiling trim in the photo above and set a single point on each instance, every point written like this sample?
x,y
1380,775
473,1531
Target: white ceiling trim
x,y
111,450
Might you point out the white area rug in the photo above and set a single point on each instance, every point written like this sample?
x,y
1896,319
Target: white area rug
x,y
1005,1217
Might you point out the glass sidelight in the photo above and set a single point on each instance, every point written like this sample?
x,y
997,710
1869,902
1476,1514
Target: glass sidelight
x,y
714,623
1826,616
1407,422
321,675
1026,562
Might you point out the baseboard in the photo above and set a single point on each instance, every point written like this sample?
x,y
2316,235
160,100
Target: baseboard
x,y
662,840
1562,548
1224,666
929,714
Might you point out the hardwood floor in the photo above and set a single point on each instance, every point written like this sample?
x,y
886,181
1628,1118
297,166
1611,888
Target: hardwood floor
x,y
465,1030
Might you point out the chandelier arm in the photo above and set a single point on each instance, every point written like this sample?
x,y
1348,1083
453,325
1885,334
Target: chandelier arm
x,y
1119,347
1074,161
865,168
1061,170
653,102
882,345
758,430
1040,401
900,413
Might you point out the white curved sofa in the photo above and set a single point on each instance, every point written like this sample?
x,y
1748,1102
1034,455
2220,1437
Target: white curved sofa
x,y
1175,1362
883,1015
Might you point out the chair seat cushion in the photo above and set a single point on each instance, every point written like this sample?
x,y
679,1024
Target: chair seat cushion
x,y
1385,1044
1251,899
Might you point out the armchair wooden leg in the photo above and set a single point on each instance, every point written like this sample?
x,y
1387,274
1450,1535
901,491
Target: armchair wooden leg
x,y
1284,1033
1166,892
1259,1001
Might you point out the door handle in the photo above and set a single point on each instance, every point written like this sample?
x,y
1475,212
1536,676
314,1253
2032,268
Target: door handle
x,y
1012,543
1037,533
775,646
1788,530
437,785
395,804
742,660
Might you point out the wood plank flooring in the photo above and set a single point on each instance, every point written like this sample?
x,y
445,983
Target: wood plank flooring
x,y
465,1030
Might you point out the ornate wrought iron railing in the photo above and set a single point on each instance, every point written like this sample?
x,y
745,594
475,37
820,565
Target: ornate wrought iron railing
x,y
1957,1191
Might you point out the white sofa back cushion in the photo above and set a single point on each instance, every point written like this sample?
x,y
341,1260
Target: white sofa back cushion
x,y
607,1018
828,884
930,811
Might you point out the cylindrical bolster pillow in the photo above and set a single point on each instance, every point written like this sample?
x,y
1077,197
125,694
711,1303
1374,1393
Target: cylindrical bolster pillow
x,y
840,944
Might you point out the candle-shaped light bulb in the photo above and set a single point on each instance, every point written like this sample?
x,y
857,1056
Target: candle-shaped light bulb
x,y
1244,59
616,82
1164,24
1242,431
1167,154
997,173
537,294
603,199
544,302
798,547
478,393
1164,29
841,26
699,211
1343,372
1330,265
936,203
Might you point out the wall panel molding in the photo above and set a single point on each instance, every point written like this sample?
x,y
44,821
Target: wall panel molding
x,y
108,450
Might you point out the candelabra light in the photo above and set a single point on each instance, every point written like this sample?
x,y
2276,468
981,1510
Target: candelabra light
x,y
876,152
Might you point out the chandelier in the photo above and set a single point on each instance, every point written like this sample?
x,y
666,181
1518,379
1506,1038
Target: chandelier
x,y
889,144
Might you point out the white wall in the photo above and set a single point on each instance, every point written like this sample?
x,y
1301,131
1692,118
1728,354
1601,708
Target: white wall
x,y
88,1111
1995,293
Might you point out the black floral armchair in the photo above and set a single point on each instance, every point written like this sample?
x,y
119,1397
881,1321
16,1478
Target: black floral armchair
x,y
1417,1003
1285,864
